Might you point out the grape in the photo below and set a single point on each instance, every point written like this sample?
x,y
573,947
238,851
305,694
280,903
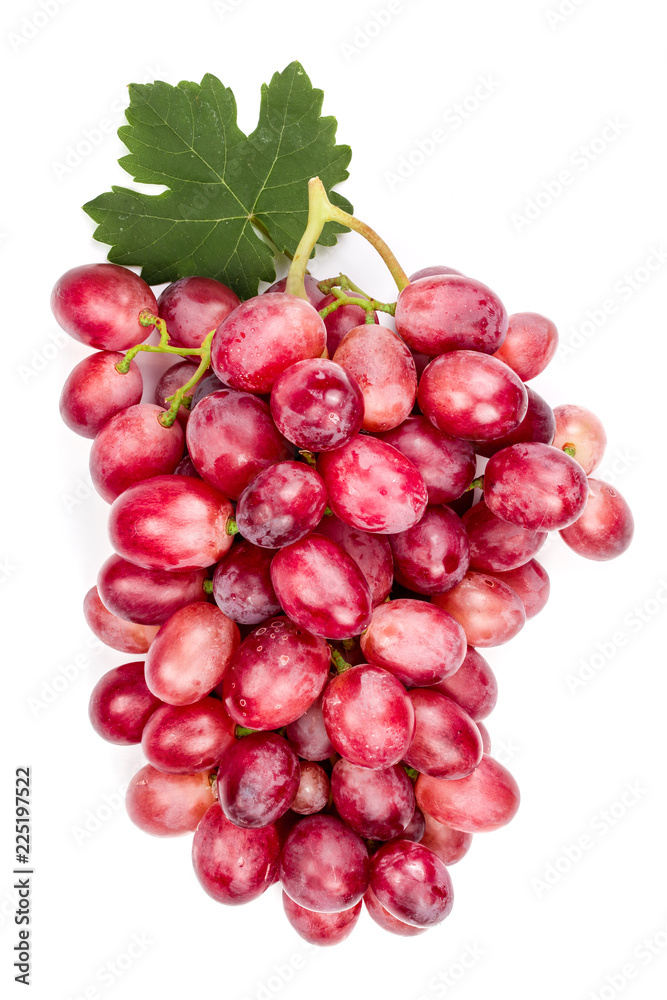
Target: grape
x,y
316,405
128,637
386,920
231,439
372,486
383,367
450,845
94,391
147,596
192,307
308,734
371,552
324,866
535,486
171,381
264,336
281,505
446,464
530,344
342,320
377,805
99,305
313,793
315,296
275,675
446,743
168,805
486,739
605,528
539,424
368,716
321,588
531,583
208,384
484,800
496,545
258,778
321,928
234,865
133,446
416,641
242,585
171,523
415,829
190,654
449,312
182,739
471,395
412,883
428,272
577,426
489,611
121,704
433,555
473,686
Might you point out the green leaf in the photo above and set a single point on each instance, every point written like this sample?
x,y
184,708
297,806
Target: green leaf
x,y
223,188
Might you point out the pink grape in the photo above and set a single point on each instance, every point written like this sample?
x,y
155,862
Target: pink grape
x,y
371,552
470,395
128,637
242,586
484,800
168,805
193,307
446,743
95,391
415,829
450,845
186,468
231,439
446,464
368,716
414,640
190,654
281,505
378,805
321,587
531,583
373,486
315,296
324,865
182,739
474,686
495,545
429,272
258,778
412,883
530,344
317,405
605,528
313,792
234,865
321,928
275,675
342,320
489,611
308,734
577,426
386,920
171,523
433,555
171,381
264,336
133,446
383,368
99,305
207,384
535,486
449,312
147,596
486,738
539,424
121,704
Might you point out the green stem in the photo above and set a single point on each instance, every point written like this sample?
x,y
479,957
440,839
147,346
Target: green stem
x,y
370,305
243,731
411,772
338,661
231,527
207,586
308,458
476,484
204,352
570,449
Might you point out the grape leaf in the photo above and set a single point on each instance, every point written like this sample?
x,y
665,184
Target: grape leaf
x,y
223,188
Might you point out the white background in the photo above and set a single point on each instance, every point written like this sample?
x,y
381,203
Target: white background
x,y
574,752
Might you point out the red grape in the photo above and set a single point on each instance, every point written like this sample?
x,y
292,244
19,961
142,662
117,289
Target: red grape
x,y
531,583
412,883
496,545
486,738
605,528
433,555
387,920
315,296
450,845
415,829
258,778
234,865
128,637
577,426
316,405
121,704
192,307
168,805
171,381
99,305
324,865
313,793
281,505
378,805
446,743
383,368
147,596
530,344
446,464
473,686
539,424
449,312
371,552
308,734
182,739
321,928
242,585
484,800
95,391
428,272
489,611
342,320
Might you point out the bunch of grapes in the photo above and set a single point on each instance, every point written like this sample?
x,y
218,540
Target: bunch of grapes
x,y
301,570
